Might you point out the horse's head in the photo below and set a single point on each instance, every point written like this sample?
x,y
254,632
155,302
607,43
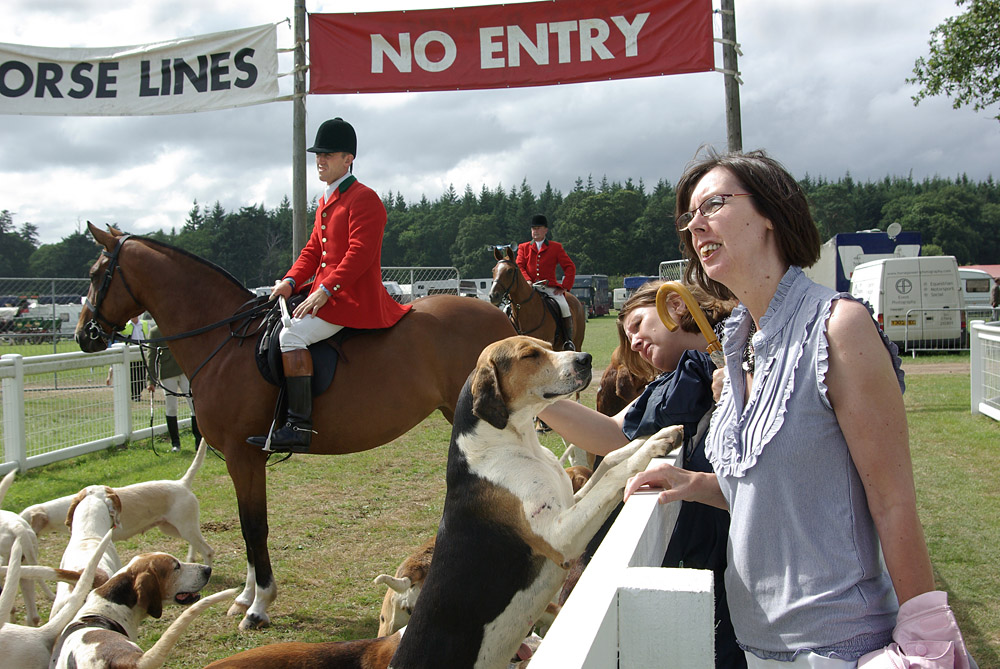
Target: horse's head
x,y
505,274
110,302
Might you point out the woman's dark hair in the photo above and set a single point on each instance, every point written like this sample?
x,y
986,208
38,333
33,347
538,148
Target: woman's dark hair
x,y
715,310
776,195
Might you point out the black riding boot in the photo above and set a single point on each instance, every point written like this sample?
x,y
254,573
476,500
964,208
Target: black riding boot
x,y
175,437
568,334
195,432
296,434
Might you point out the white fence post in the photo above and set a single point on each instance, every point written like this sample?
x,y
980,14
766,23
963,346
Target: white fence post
x,y
666,618
120,382
14,437
975,367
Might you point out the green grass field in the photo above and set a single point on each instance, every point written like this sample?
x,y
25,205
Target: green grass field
x,y
338,522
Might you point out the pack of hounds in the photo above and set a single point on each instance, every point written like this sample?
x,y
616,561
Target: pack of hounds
x,y
510,509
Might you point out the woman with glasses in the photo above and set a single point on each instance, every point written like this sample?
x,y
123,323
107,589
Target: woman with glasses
x,y
809,440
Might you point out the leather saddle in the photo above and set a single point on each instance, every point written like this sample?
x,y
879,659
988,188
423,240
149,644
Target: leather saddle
x,y
325,354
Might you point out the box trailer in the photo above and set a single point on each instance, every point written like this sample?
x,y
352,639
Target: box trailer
x,y
843,252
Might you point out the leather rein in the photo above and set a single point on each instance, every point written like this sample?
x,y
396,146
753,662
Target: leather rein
x,y
515,307
94,331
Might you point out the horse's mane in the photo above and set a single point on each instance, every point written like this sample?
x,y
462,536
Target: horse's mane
x,y
207,263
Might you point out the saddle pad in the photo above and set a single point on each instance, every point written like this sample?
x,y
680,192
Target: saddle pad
x,y
325,354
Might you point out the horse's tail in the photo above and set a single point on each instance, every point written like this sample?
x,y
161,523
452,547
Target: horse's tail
x,y
199,458
155,657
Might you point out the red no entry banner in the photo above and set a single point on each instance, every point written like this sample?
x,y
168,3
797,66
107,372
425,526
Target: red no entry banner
x,y
500,46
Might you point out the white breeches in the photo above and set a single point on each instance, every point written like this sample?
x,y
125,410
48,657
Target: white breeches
x,y
176,384
305,331
561,299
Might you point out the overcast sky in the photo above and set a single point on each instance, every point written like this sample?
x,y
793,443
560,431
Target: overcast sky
x,y
823,90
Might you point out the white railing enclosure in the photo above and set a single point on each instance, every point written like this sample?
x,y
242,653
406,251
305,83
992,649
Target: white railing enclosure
x,y
984,369
71,410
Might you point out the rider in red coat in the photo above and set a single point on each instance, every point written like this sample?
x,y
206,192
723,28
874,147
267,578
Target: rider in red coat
x,y
343,257
538,259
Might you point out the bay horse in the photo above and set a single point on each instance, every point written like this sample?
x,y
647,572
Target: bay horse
x,y
528,313
386,383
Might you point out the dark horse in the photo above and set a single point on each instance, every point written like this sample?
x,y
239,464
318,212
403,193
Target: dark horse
x,y
387,381
528,313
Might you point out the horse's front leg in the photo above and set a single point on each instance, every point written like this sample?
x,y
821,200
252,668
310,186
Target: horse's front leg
x,y
250,481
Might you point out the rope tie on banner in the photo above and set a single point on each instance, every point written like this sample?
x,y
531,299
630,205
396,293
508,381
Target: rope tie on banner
x,y
733,43
733,73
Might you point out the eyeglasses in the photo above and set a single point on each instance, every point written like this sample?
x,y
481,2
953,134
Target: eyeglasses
x,y
706,209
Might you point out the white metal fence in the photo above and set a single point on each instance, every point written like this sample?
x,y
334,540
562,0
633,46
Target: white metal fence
x,y
35,311
984,369
918,322
406,284
59,406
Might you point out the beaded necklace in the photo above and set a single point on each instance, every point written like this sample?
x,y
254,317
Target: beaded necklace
x,y
748,355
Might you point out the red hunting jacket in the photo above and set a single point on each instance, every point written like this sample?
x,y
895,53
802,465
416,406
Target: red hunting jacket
x,y
344,252
537,265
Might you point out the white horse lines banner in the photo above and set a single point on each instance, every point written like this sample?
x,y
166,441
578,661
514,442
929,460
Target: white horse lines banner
x,y
190,74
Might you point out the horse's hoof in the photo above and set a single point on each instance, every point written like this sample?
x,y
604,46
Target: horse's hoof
x,y
254,622
237,609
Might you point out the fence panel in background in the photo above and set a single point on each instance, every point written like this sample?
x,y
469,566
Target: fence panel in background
x,y
39,311
59,406
406,284
984,369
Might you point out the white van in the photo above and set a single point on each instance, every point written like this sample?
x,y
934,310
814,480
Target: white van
x,y
917,301
619,296
976,287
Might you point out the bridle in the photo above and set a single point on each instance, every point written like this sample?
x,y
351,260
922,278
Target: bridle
x,y
515,307
93,329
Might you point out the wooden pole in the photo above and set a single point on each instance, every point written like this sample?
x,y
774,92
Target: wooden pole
x,y
300,226
730,64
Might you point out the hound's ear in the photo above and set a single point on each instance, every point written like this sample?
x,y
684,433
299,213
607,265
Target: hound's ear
x,y
147,589
72,507
114,505
487,402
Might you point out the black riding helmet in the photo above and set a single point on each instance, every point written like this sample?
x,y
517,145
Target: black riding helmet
x,y
334,136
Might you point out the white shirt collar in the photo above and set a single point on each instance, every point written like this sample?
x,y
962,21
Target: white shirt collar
x,y
334,186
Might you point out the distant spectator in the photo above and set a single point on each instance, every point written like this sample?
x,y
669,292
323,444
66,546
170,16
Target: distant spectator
x,y
164,369
136,368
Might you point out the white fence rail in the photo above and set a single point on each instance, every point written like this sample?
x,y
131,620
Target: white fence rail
x,y
984,369
58,406
628,612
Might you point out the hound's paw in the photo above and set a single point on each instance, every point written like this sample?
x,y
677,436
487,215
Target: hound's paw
x,y
664,441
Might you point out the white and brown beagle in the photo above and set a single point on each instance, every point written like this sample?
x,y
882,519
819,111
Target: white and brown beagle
x,y
93,512
102,634
510,511
168,504
31,647
14,530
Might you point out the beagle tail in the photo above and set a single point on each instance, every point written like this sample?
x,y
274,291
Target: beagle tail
x,y
199,458
6,483
155,657
10,586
